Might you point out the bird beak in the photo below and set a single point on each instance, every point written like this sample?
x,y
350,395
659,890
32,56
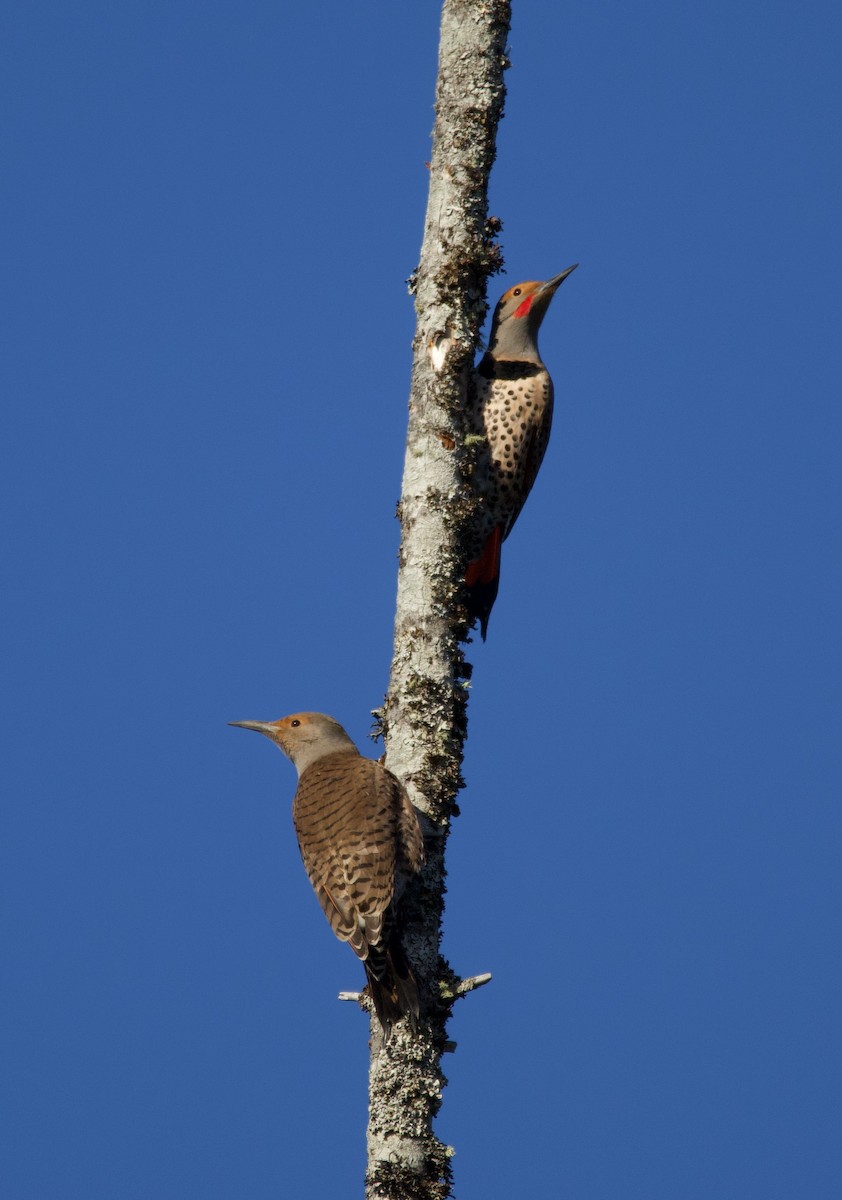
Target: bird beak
x,y
257,726
551,284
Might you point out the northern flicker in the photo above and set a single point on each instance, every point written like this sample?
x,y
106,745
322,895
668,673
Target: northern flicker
x,y
511,409
360,840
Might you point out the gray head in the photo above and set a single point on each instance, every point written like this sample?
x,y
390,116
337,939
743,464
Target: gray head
x,y
304,737
518,316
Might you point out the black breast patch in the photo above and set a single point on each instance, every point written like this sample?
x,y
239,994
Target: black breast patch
x,y
506,368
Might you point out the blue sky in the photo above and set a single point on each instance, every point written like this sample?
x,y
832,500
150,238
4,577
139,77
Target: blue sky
x,y
209,214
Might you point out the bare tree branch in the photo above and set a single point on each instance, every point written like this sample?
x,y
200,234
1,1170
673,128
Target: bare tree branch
x,y
424,718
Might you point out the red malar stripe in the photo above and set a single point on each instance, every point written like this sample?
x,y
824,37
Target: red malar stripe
x,y
523,309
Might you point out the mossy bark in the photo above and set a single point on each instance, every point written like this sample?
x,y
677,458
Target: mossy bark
x,y
425,714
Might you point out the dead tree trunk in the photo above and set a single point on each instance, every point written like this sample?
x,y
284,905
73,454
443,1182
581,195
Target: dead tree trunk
x,y
424,717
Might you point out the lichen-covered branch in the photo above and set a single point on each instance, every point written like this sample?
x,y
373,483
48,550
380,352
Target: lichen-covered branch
x,y
424,717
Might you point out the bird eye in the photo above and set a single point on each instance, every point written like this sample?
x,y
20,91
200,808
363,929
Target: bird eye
x,y
295,724
516,292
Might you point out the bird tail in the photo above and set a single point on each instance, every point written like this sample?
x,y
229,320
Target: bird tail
x,y
482,580
392,985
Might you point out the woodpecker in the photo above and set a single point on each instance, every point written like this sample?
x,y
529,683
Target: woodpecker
x,y
360,840
510,409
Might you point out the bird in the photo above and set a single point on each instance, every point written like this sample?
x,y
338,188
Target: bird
x,y
510,411
361,842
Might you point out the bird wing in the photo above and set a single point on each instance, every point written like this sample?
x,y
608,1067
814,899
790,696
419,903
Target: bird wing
x,y
346,819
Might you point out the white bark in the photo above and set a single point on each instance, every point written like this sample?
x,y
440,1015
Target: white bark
x,y
425,713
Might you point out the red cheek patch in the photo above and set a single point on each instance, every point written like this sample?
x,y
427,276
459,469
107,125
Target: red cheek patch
x,y
523,309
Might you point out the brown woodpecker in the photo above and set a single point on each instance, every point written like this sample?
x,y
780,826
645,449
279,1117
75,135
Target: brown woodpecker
x,y
360,840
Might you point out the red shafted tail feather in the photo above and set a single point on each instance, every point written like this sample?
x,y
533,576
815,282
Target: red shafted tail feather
x,y
482,579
